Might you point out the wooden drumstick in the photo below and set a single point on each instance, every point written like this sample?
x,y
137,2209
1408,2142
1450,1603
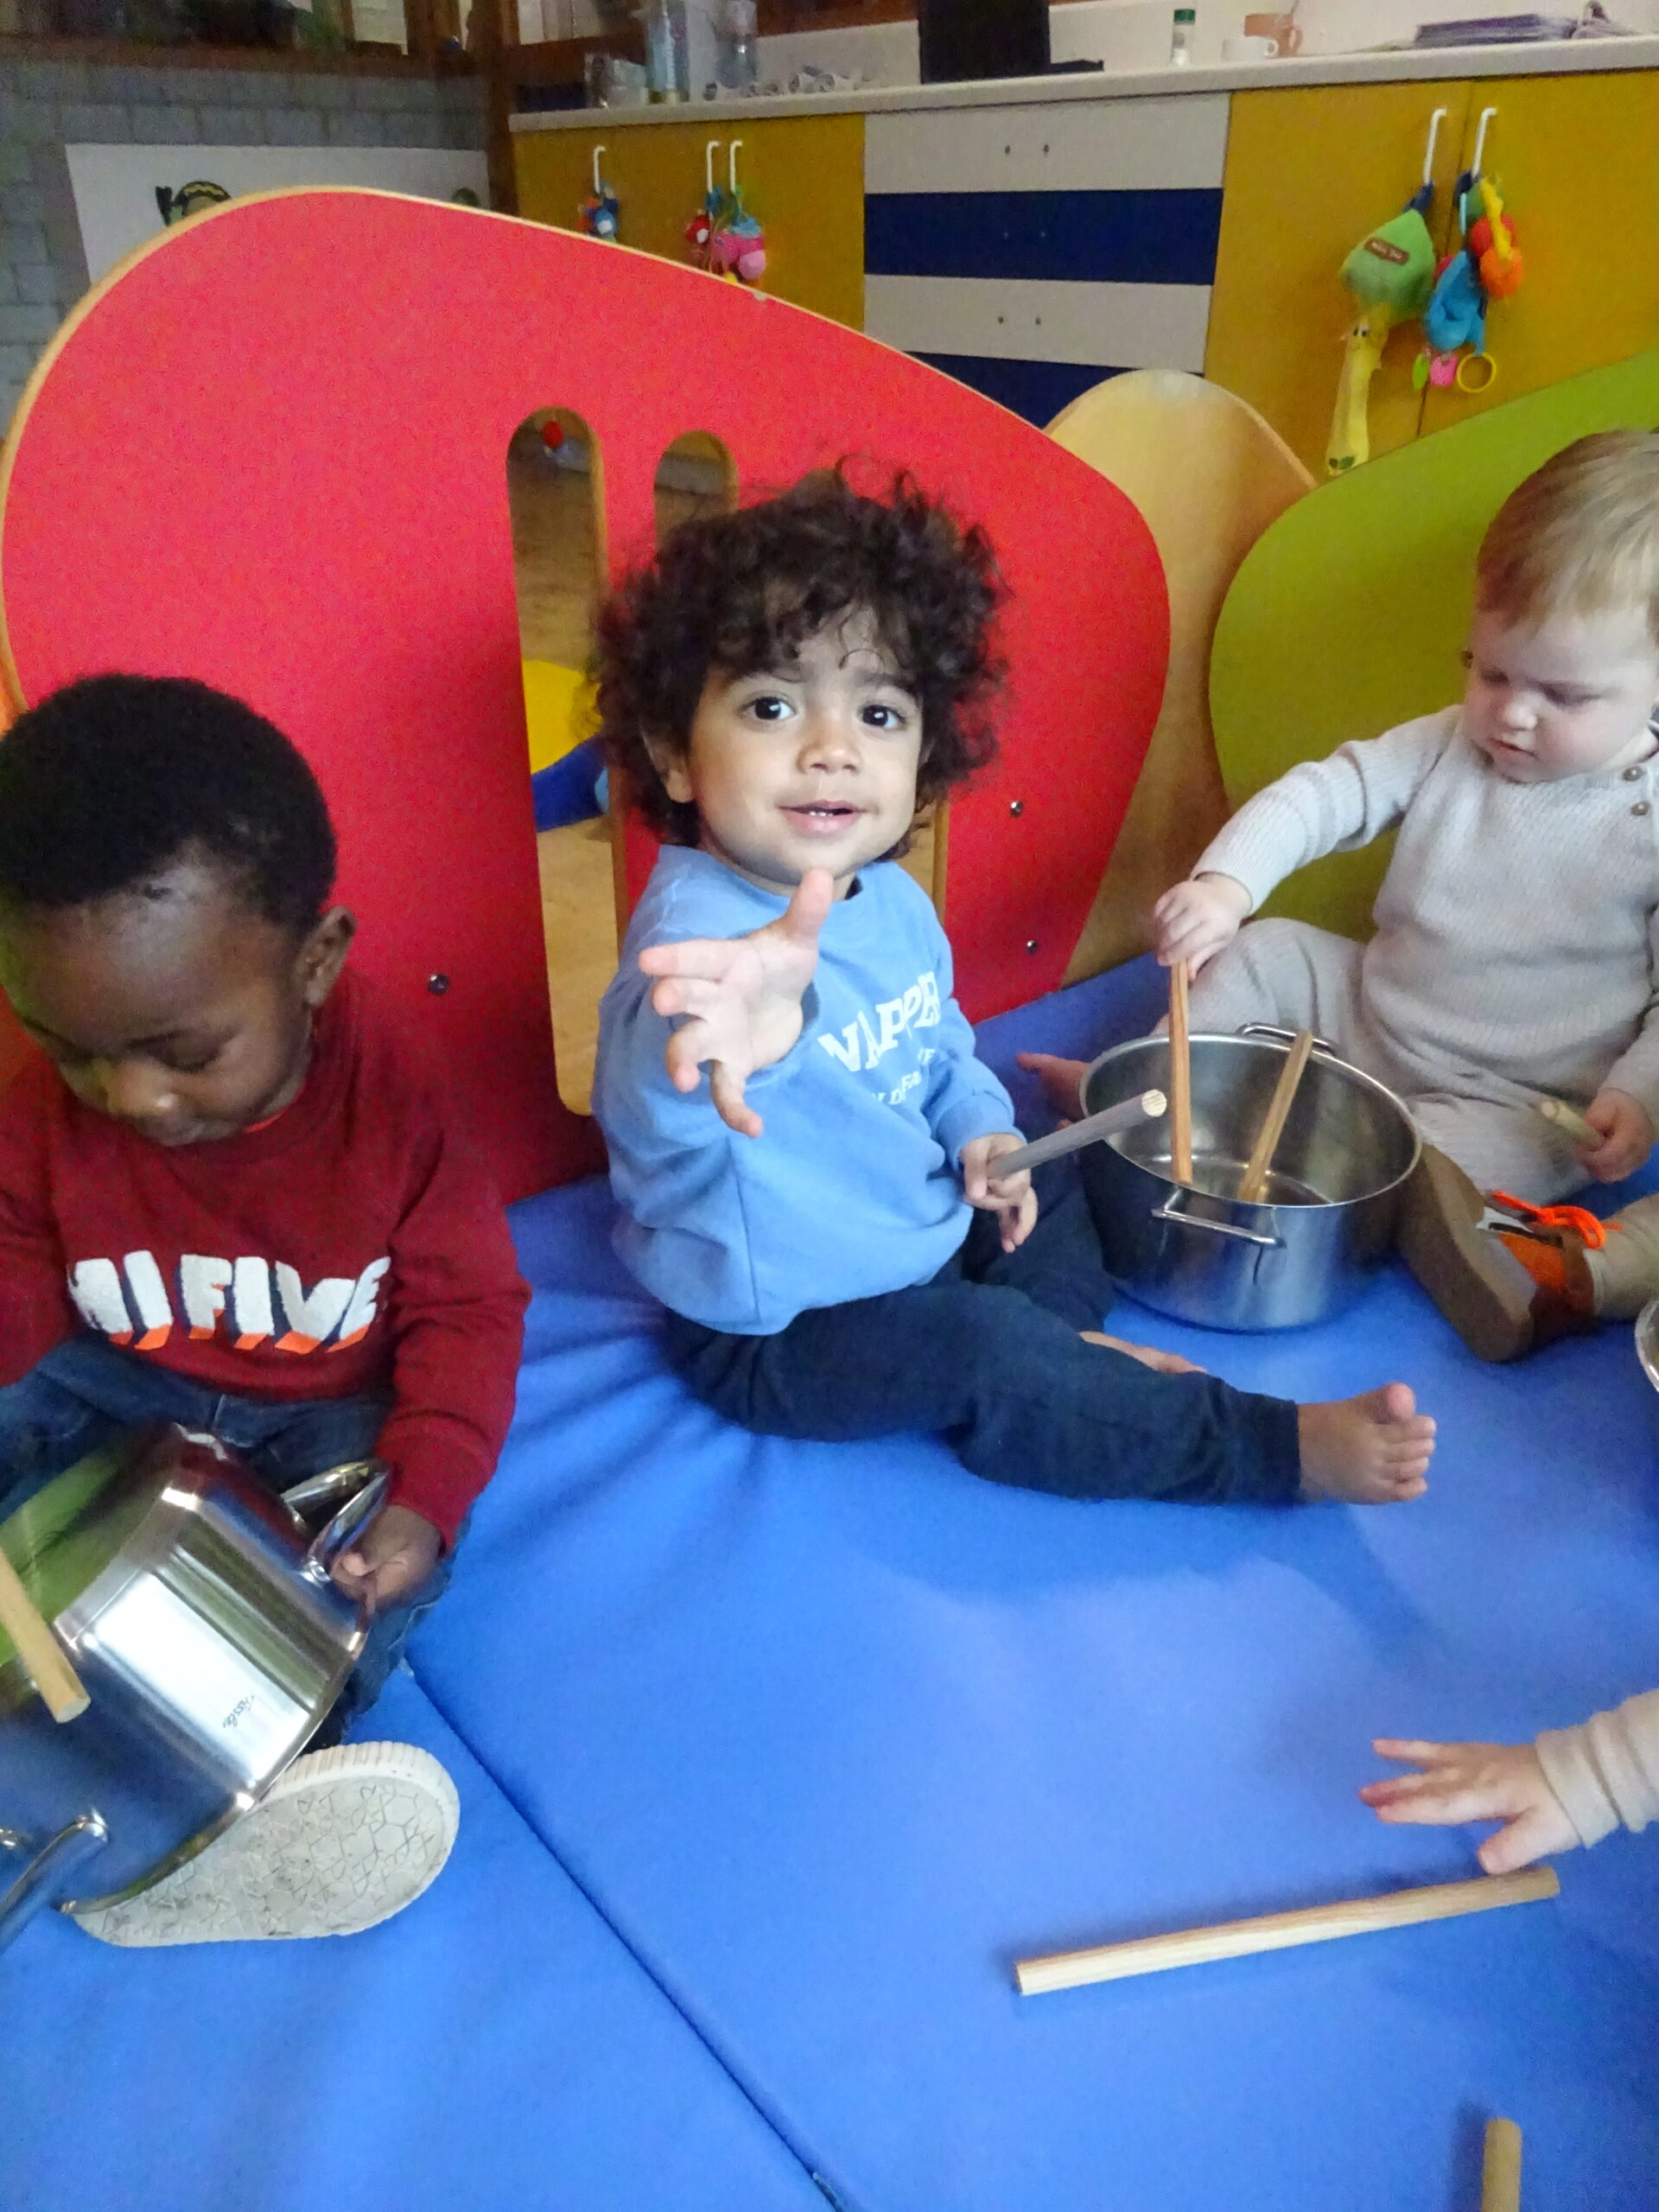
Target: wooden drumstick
x,y
1500,2175
1253,1184
1571,1124
1279,1931
38,1647
1180,1077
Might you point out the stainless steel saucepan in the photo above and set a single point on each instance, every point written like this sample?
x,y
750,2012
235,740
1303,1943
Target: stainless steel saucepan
x,y
198,1610
1198,1251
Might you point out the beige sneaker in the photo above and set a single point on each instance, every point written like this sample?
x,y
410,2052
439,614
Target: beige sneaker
x,y
341,1840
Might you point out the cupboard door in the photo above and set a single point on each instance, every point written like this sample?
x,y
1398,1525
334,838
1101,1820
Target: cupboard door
x,y
802,179
1310,172
1574,160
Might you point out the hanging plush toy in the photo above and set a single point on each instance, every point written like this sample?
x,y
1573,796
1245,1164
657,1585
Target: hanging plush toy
x,y
1486,266
1391,274
599,212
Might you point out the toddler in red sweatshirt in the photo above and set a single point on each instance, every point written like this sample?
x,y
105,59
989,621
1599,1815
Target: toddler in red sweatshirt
x,y
231,1197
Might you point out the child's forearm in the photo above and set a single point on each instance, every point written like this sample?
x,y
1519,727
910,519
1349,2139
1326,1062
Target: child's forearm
x,y
1606,1770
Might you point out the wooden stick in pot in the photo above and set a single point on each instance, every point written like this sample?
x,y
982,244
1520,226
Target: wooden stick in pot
x,y
1180,1077
1253,1184
38,1647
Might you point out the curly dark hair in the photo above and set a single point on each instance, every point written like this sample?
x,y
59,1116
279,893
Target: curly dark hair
x,y
107,782
740,593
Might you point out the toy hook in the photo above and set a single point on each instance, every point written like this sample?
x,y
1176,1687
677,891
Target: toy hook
x,y
709,153
1434,123
731,165
599,189
1487,115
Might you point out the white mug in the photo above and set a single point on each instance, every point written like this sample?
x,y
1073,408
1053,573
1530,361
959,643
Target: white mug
x,y
1249,49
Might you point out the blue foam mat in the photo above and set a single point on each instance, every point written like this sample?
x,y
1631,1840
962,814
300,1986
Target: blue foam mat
x,y
493,2048
834,1734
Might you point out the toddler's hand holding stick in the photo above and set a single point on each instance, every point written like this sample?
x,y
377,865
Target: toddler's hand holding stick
x,y
742,997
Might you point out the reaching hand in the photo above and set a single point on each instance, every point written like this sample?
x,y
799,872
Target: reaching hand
x,y
742,996
1014,1198
395,1554
1626,1135
1476,1781
1197,918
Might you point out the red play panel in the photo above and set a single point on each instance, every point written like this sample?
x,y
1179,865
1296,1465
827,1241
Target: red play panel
x,y
272,454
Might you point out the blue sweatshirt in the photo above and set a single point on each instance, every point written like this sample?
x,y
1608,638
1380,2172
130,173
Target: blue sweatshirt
x,y
854,1188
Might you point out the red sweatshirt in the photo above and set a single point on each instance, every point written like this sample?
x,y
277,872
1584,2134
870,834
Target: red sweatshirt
x,y
353,1243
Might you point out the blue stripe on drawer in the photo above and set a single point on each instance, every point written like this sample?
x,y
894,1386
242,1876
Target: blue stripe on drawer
x,y
1037,390
1091,237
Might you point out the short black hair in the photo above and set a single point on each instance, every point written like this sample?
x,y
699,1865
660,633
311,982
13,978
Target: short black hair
x,y
113,779
743,591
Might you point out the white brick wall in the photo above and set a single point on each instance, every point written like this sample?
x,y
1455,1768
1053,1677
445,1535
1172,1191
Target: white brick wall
x,y
46,104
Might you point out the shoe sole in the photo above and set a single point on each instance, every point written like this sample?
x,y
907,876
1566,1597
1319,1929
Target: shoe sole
x,y
1481,1288
341,1841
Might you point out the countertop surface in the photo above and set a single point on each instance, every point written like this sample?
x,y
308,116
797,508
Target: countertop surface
x,y
1547,59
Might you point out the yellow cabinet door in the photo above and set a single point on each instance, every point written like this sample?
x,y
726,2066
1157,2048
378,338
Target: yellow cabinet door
x,y
802,179
1309,173
1574,159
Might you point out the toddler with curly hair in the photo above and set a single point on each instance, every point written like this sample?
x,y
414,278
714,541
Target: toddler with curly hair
x,y
782,689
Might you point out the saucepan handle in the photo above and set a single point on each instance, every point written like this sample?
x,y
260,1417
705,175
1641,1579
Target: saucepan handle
x,y
1170,1211
1285,1037
346,1526
30,1889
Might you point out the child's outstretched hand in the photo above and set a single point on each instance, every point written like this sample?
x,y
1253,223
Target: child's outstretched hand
x,y
1626,1135
742,997
392,1557
1196,919
1476,1781
1014,1198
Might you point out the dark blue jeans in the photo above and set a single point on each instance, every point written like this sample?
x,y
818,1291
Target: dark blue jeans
x,y
88,1392
988,1353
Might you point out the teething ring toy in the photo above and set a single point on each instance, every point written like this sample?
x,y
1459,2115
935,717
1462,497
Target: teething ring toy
x,y
1466,382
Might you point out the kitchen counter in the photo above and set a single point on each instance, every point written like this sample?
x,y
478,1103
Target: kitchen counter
x,y
1551,58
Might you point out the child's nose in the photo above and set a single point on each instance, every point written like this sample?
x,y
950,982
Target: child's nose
x,y
828,741
131,1091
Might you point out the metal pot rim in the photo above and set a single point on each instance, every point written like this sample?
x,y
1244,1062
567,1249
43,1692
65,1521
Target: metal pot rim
x,y
1268,1044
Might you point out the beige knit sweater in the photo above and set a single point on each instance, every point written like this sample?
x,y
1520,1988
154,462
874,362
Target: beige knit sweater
x,y
1515,929
1607,1770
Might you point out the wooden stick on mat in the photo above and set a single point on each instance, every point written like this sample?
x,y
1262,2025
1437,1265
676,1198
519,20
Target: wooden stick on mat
x,y
38,1647
1500,2179
1253,1184
1180,1077
1278,1931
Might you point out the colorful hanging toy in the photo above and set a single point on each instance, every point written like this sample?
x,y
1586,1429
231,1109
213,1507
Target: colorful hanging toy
x,y
1391,274
724,238
1486,266
599,212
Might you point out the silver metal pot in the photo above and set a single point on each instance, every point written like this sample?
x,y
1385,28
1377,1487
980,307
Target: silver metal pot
x,y
199,1612
1200,1253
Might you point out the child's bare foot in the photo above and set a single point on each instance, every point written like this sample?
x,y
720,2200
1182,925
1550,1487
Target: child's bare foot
x,y
1062,1081
1161,1363
1372,1450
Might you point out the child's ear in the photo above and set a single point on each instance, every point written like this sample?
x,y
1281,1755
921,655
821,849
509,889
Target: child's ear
x,y
323,954
669,760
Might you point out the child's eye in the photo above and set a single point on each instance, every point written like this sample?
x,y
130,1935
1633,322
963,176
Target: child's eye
x,y
881,717
1567,700
768,708
191,1063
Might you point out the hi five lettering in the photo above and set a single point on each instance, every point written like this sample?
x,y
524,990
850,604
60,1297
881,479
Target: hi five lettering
x,y
257,1302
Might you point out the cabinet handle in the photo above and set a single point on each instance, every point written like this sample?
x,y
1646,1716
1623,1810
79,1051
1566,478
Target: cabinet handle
x,y
1487,115
1434,123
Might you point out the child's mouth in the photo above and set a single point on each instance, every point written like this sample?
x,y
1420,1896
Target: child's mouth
x,y
823,817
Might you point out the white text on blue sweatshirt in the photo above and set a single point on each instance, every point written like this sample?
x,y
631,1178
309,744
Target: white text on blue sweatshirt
x,y
854,1188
